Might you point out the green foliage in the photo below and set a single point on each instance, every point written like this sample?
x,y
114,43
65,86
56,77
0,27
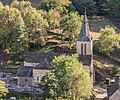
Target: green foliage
x,y
115,70
53,18
23,6
52,4
55,9
103,6
105,84
19,46
70,25
49,85
20,24
109,40
70,82
99,64
36,26
1,6
111,7
71,8
90,5
14,3
3,89
49,48
18,95
114,5
13,36
35,23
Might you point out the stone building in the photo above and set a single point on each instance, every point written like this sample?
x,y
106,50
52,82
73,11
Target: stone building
x,y
37,64
25,76
84,46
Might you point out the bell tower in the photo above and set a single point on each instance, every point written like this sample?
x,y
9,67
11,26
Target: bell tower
x,y
84,47
84,42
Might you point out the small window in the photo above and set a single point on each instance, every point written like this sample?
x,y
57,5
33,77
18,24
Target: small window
x,y
81,49
37,78
85,51
25,80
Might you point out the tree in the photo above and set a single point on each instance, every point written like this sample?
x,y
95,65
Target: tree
x,y
49,85
114,11
9,18
71,8
90,6
103,6
53,18
14,4
22,6
109,40
35,23
1,6
52,4
12,38
72,81
19,46
3,89
36,26
71,24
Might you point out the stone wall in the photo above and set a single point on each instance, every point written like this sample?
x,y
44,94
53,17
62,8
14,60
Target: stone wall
x,y
30,64
38,74
89,48
25,81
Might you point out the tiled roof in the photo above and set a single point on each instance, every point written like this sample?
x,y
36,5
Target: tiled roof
x,y
43,59
25,72
114,87
40,57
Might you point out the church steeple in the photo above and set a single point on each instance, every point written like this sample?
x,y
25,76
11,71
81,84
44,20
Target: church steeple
x,y
85,16
84,47
84,42
85,32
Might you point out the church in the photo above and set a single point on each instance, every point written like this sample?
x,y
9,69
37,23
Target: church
x,y
37,64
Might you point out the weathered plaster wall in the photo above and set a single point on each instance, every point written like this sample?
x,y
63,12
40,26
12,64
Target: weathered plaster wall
x,y
89,48
21,81
39,73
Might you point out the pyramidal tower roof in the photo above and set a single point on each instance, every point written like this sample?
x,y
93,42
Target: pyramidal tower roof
x,y
85,32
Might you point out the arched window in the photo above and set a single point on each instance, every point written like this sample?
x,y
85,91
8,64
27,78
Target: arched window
x,y
81,49
85,51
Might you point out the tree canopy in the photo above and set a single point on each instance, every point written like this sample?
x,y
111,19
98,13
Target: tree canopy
x,y
35,23
71,24
90,5
109,40
54,18
21,24
12,38
52,4
3,89
72,81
